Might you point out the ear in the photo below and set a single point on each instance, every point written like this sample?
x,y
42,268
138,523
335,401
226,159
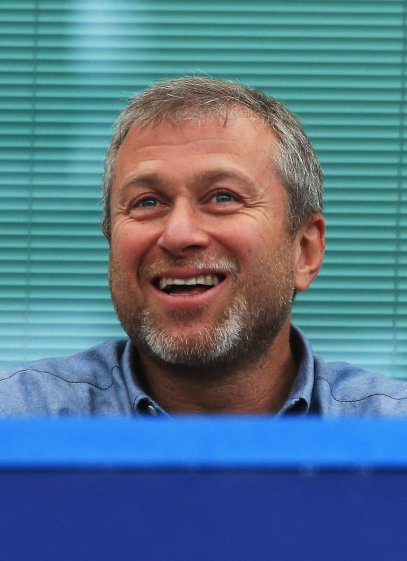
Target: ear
x,y
309,251
106,231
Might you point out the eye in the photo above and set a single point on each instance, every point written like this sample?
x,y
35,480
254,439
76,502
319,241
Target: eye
x,y
147,206
147,202
224,197
223,201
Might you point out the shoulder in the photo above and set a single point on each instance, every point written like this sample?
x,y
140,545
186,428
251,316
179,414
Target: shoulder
x,y
62,384
342,388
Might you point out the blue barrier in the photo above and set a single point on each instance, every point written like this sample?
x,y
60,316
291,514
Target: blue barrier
x,y
203,489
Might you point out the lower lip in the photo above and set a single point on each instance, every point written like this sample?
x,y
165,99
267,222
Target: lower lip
x,y
188,300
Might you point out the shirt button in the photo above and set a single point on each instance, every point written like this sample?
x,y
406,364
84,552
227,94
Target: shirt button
x,y
152,410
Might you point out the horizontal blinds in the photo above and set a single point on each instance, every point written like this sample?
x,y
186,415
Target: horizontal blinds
x,y
66,69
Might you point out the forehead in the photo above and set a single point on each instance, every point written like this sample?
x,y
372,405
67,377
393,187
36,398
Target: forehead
x,y
200,119
241,139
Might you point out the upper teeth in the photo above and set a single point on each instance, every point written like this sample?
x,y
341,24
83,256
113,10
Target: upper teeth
x,y
212,280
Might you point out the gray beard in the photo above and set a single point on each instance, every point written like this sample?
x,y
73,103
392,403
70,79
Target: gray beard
x,y
208,348
241,337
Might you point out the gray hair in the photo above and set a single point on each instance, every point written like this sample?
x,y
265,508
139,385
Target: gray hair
x,y
192,97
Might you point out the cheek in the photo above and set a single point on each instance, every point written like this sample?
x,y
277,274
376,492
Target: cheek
x,y
120,251
128,245
246,243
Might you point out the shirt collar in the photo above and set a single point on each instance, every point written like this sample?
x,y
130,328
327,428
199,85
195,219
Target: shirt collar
x,y
141,403
298,401
299,398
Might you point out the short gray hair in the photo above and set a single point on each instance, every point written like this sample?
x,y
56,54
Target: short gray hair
x,y
193,97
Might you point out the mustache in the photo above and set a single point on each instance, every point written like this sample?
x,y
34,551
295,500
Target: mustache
x,y
156,269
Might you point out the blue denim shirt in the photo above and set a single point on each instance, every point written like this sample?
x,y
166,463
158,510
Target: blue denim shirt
x,y
103,381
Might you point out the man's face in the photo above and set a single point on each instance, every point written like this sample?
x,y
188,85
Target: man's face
x,y
202,263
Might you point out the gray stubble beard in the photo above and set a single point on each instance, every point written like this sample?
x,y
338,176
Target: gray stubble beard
x,y
209,347
242,336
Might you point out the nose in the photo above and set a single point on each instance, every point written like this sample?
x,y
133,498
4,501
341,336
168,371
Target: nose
x,y
183,231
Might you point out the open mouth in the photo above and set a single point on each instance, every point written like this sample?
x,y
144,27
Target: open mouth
x,y
188,286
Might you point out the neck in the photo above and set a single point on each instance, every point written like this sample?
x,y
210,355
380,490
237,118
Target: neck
x,y
262,387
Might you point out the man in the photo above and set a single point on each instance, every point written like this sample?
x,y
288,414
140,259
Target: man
x,y
213,213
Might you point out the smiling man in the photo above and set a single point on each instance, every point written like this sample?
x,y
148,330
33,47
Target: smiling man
x,y
213,214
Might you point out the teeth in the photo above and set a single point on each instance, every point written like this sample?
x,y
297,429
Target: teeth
x,y
210,280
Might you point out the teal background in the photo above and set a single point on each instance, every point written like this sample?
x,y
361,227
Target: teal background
x,y
66,69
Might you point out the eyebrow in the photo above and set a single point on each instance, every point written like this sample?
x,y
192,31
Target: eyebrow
x,y
146,179
156,180
211,176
